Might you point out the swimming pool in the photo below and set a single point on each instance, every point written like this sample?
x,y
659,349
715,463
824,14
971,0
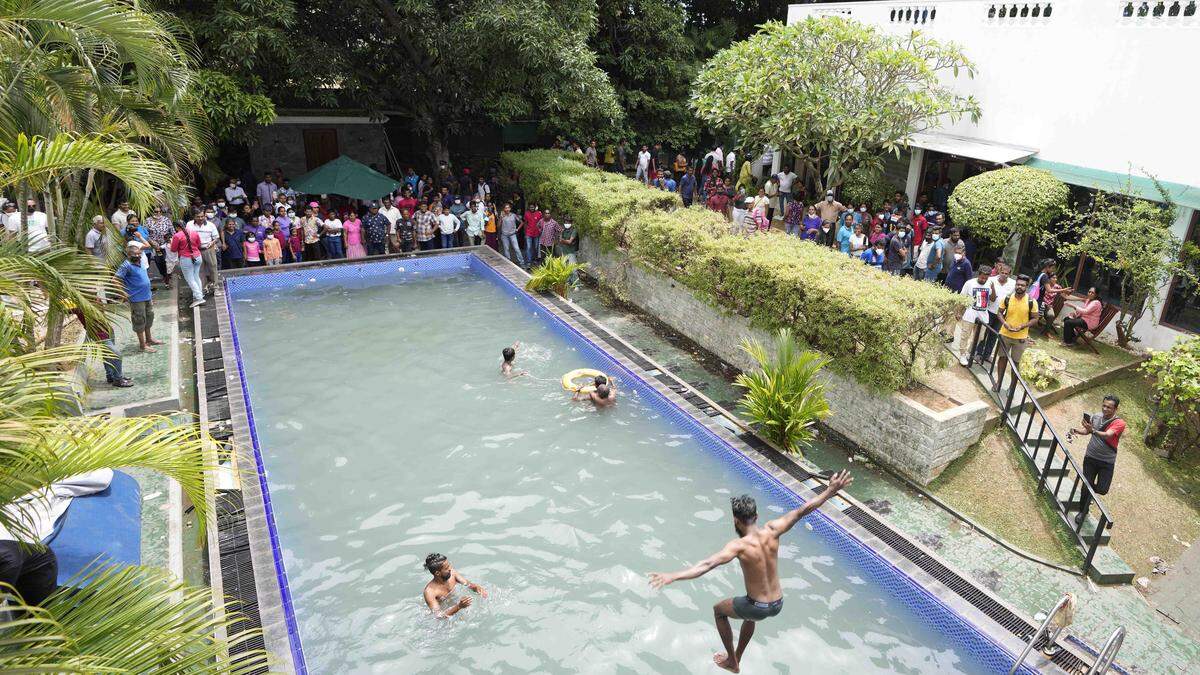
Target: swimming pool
x,y
386,433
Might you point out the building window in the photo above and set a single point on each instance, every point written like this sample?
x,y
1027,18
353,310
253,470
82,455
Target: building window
x,y
1182,309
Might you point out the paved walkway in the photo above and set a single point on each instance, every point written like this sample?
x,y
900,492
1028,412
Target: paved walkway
x,y
1153,644
1177,596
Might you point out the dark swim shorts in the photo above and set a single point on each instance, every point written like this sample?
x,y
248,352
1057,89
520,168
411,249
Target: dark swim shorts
x,y
753,610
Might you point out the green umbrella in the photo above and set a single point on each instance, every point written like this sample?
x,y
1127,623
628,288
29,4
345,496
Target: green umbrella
x,y
346,177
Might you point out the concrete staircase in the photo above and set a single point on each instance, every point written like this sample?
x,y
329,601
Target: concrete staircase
x,y
1057,476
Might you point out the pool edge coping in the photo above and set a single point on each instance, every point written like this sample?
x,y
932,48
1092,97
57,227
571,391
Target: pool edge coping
x,y
278,618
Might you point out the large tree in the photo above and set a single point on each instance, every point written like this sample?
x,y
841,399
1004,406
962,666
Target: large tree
x,y
832,92
643,47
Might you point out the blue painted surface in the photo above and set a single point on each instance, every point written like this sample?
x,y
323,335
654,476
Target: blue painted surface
x,y
987,652
103,528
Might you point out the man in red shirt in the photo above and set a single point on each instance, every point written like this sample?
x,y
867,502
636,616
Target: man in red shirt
x,y
718,199
1104,431
919,224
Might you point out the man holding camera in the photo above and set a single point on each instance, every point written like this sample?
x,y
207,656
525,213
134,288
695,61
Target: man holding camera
x,y
1104,431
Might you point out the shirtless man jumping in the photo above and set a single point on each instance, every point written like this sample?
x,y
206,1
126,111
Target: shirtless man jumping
x,y
757,548
445,579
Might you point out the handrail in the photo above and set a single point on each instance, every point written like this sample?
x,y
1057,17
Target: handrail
x,y
1080,485
1108,653
1041,631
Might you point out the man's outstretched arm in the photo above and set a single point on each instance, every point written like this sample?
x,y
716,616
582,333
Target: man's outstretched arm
x,y
788,520
660,579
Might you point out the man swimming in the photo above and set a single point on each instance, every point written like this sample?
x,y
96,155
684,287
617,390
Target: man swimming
x,y
445,579
603,395
507,365
757,548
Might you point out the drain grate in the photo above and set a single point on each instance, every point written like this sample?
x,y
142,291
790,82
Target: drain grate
x,y
965,589
237,571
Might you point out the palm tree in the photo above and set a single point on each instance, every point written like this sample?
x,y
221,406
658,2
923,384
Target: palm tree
x,y
92,91
128,619
784,395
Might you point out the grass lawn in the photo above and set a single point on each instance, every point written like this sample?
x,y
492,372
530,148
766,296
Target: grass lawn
x,y
1155,503
1081,362
990,484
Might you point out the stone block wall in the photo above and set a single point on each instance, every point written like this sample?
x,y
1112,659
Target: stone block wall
x,y
282,146
891,428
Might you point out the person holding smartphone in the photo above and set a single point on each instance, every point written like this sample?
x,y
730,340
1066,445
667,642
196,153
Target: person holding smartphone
x,y
1104,431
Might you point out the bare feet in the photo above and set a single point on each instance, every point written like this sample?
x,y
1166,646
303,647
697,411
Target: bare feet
x,y
726,662
148,348
152,341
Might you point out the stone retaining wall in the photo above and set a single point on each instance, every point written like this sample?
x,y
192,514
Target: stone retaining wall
x,y
893,429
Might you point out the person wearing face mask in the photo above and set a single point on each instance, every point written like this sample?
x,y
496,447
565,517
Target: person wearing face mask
x,y
959,271
210,237
234,194
896,247
830,208
284,221
919,223
826,235
36,227
949,247
926,261
862,217
875,255
845,233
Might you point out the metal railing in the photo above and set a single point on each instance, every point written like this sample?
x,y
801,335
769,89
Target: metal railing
x,y
1051,647
1057,471
1108,654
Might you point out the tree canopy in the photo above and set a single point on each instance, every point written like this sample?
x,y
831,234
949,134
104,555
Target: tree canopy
x,y
832,92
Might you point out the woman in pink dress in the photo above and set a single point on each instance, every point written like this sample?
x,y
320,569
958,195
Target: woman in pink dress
x,y
354,241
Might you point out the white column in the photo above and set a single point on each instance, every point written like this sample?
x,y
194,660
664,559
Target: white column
x,y
914,174
776,161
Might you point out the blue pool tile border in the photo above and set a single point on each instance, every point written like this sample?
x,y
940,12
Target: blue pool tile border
x,y
927,605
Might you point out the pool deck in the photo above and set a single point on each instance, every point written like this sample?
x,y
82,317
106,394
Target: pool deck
x,y
1003,624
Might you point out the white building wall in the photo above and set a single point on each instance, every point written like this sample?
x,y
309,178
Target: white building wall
x,y
1085,86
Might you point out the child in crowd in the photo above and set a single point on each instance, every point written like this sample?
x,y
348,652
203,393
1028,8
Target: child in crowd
x,y
296,243
253,250
272,251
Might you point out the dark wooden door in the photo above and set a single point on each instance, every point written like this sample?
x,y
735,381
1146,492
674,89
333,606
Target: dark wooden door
x,y
320,146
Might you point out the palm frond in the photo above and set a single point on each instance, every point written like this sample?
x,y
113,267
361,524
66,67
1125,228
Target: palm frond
x,y
554,274
37,451
784,396
124,620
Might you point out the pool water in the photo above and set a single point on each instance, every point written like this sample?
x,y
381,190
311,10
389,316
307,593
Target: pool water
x,y
388,433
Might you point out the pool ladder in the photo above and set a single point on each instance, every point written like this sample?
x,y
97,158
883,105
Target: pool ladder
x,y
1103,661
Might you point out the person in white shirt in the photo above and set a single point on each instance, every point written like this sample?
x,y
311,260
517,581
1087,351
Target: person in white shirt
x,y
1001,286
393,215
448,224
730,163
210,237
121,216
334,238
235,196
786,179
483,191
12,219
96,241
36,227
979,290
643,165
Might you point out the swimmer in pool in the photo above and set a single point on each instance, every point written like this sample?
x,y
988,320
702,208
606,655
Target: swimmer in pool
x,y
603,396
757,548
507,366
445,579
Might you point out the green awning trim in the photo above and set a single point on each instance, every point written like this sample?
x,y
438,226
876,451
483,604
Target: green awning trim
x,y
1183,195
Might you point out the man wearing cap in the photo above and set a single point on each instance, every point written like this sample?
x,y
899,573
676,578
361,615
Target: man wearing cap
x,y
377,226
210,237
12,219
137,288
829,208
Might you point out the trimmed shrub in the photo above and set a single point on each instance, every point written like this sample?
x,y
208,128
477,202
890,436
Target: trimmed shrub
x,y
878,328
1020,199
867,185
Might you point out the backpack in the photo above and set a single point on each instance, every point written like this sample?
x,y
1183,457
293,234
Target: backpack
x,y
1004,305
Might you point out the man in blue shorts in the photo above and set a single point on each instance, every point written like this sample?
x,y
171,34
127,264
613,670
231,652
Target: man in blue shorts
x,y
757,549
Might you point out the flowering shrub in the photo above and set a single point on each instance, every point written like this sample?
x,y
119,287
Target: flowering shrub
x,y
1040,369
882,330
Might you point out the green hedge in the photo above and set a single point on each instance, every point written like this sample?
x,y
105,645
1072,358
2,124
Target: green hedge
x,y
881,329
